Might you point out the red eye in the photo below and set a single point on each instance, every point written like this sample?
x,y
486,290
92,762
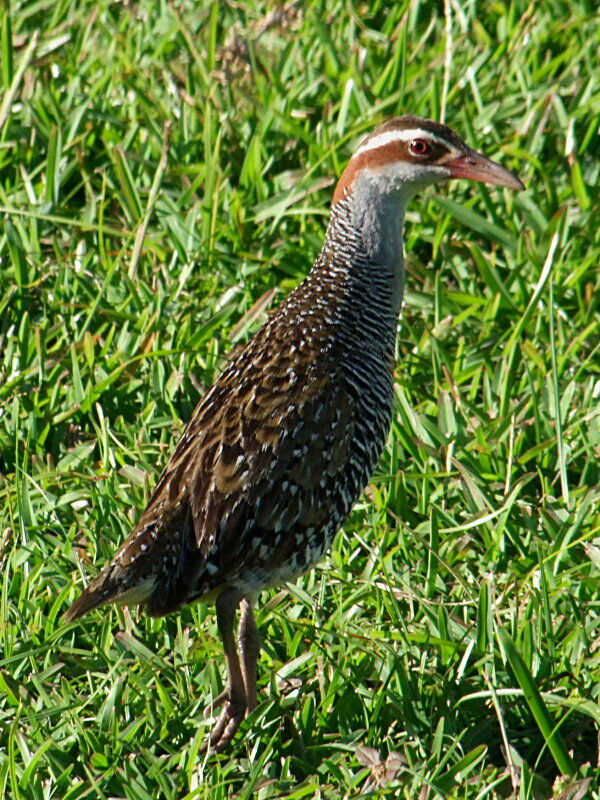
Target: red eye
x,y
419,147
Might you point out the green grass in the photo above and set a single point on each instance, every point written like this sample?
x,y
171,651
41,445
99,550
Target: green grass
x,y
165,175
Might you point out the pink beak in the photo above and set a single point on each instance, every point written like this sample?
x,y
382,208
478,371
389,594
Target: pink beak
x,y
475,167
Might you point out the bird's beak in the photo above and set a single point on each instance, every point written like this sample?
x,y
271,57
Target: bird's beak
x,y
474,166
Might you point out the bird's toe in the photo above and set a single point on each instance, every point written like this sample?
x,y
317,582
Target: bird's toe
x,y
217,701
228,722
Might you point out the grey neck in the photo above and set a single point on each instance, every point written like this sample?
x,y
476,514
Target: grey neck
x,y
380,220
372,221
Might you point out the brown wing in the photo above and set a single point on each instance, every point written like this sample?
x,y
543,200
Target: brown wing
x,y
253,466
253,463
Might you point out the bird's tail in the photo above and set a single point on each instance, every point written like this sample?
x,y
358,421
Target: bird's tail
x,y
111,586
87,600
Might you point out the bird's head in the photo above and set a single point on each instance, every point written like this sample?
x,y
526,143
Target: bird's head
x,y
408,153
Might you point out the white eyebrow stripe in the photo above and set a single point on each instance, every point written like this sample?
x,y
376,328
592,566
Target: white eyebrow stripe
x,y
399,136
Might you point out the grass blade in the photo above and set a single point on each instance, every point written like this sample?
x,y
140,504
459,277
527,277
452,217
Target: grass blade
x,y
549,730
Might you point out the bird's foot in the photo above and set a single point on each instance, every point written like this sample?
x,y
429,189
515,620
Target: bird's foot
x,y
230,719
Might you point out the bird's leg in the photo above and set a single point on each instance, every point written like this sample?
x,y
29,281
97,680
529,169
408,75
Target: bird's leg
x,y
249,644
234,695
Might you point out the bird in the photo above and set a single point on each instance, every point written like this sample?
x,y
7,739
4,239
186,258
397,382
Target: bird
x,y
279,449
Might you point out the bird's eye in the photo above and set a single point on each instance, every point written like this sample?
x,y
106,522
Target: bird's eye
x,y
419,147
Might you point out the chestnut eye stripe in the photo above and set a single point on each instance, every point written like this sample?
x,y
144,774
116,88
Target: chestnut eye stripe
x,y
426,150
405,136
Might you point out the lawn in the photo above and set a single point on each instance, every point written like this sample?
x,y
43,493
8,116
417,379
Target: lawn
x,y
166,171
